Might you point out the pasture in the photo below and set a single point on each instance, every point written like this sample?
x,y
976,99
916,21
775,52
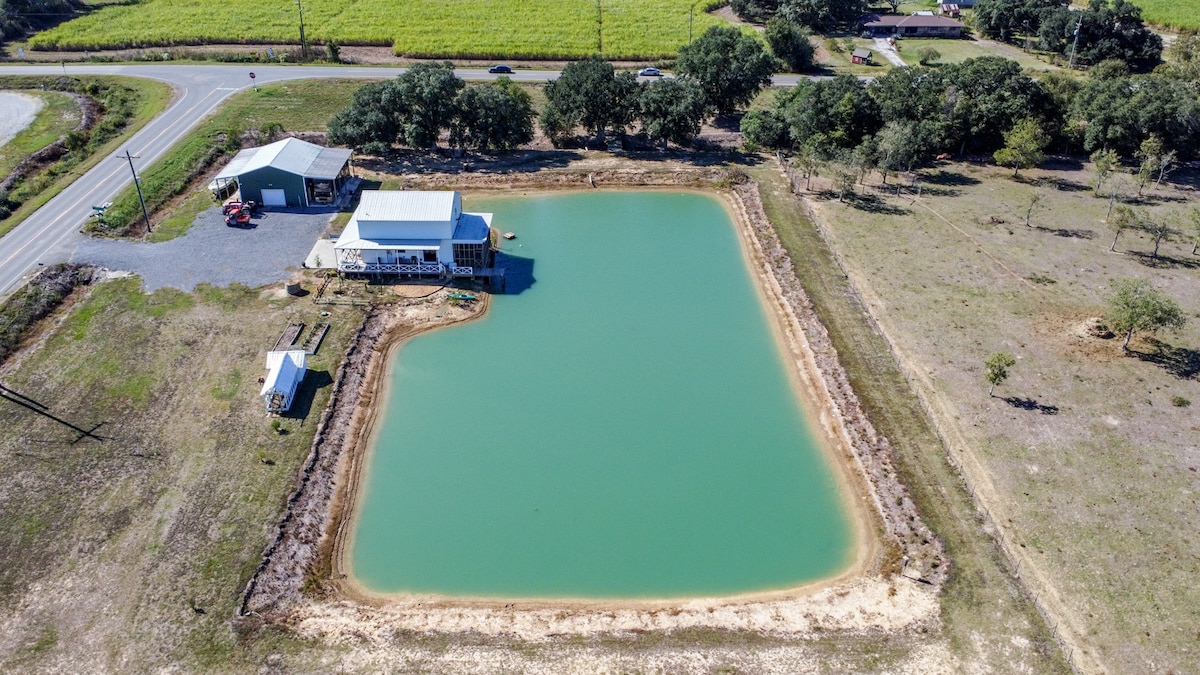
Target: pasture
x,y
1085,461
617,29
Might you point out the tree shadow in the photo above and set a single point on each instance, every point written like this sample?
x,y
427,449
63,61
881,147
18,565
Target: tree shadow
x,y
1153,198
946,178
1181,362
936,191
1030,404
1066,232
1164,262
875,204
302,402
518,273
1064,185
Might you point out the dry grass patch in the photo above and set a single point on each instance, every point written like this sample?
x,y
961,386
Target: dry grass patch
x,y
130,554
1082,458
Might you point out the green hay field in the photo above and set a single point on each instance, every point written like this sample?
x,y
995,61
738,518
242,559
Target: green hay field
x,y
1172,13
418,28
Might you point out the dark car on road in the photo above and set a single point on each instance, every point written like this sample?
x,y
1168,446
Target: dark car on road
x,y
499,69
650,72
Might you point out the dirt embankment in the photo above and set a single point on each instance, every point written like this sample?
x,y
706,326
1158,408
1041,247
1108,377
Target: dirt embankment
x,y
299,582
300,551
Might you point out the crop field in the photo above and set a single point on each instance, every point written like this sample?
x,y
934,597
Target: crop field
x,y
1177,14
418,28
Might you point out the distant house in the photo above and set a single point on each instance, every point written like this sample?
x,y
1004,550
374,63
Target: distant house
x,y
285,370
862,56
290,172
414,233
951,10
911,25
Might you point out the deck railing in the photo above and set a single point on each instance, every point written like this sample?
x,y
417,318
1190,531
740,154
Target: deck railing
x,y
388,268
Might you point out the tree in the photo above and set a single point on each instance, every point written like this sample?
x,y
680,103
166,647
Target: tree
x,y
497,115
1159,229
1023,146
995,369
371,118
824,15
1136,305
590,93
1004,19
899,148
1034,198
841,110
672,110
426,93
790,42
1195,218
1105,30
1155,162
1104,162
990,95
928,55
1124,219
765,128
730,66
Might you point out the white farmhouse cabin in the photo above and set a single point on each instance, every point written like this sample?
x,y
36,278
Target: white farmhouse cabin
x,y
285,370
414,233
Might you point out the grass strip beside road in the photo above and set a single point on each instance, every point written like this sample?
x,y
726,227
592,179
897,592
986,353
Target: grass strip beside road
x,y
983,609
303,105
141,101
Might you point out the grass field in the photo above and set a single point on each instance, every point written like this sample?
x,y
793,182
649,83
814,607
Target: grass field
x,y
148,537
1176,14
130,104
60,115
419,28
956,51
1086,459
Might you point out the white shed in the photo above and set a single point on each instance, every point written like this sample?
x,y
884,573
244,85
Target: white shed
x,y
285,370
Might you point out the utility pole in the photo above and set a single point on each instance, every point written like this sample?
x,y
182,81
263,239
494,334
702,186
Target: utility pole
x,y
303,42
1071,61
138,184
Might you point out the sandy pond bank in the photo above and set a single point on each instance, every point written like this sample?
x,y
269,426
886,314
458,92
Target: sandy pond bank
x,y
301,582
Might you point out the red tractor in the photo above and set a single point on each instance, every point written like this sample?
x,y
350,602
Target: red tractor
x,y
239,213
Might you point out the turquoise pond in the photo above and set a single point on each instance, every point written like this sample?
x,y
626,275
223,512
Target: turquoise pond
x,y
620,425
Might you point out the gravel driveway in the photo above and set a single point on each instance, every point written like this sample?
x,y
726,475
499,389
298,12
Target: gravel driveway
x,y
214,253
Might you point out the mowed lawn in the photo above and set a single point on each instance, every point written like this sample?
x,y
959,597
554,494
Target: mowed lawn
x,y
419,28
1086,458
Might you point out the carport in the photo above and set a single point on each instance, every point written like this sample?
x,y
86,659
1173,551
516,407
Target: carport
x,y
290,172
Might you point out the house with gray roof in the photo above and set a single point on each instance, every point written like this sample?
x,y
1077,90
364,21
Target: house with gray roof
x,y
290,172
911,25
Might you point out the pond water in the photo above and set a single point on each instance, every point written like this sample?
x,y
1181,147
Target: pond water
x,y
620,425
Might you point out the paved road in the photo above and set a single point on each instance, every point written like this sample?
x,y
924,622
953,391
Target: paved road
x,y
51,234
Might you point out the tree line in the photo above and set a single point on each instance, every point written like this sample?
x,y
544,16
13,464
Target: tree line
x,y
1105,30
722,70
985,105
